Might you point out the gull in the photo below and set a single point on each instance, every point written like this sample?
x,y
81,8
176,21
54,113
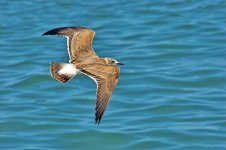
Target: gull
x,y
83,59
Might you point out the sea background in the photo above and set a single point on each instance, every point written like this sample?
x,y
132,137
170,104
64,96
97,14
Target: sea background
x,y
171,93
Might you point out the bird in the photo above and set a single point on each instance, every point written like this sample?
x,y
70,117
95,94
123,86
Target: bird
x,y
83,60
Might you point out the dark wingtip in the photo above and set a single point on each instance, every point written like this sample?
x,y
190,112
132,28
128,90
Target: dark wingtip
x,y
62,30
56,31
50,32
44,34
97,121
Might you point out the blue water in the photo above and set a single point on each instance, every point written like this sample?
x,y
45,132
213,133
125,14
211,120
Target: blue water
x,y
171,93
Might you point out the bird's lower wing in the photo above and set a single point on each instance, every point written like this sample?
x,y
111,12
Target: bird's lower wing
x,y
106,78
104,92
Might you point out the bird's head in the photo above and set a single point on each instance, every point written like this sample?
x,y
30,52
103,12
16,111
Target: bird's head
x,y
111,61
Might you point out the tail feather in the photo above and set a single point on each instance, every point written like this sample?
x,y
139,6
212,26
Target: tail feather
x,y
62,71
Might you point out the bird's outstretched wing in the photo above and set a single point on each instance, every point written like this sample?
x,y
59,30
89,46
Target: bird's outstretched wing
x,y
106,78
79,41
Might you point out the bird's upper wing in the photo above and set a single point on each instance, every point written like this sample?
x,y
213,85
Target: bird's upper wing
x,y
106,78
79,41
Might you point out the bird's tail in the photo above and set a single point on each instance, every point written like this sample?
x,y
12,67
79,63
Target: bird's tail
x,y
62,71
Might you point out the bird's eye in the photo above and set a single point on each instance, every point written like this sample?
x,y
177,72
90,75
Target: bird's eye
x,y
112,61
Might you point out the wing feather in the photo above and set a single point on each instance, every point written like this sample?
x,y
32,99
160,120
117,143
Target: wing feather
x,y
79,41
103,96
106,78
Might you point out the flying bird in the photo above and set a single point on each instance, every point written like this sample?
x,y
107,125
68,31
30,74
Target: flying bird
x,y
83,59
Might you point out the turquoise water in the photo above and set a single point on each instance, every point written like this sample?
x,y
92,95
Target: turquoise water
x,y
171,92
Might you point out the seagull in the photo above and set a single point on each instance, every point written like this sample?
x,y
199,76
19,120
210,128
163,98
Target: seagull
x,y
83,59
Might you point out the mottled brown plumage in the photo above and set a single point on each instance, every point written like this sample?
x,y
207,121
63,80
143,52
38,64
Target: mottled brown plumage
x,y
103,71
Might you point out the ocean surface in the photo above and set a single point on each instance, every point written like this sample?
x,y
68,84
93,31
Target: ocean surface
x,y
171,93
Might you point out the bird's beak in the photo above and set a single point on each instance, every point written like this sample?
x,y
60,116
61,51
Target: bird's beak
x,y
119,63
